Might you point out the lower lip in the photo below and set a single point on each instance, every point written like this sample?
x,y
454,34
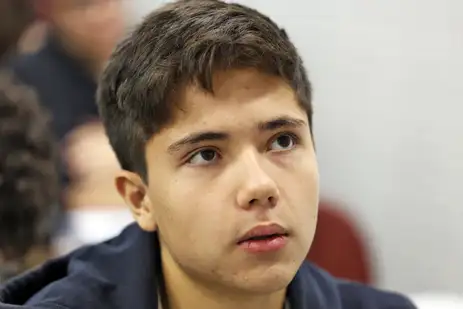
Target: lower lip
x,y
264,245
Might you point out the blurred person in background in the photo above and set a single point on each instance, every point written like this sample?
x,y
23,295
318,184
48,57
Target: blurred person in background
x,y
95,210
28,179
80,37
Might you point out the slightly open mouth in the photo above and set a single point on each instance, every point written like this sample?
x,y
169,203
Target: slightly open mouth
x,y
263,237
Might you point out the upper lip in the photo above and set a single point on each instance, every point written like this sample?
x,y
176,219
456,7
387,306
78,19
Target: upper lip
x,y
264,230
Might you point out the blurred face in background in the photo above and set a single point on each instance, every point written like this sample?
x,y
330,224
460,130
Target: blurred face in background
x,y
92,166
89,29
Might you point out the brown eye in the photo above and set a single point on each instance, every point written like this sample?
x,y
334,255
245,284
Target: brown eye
x,y
203,157
283,142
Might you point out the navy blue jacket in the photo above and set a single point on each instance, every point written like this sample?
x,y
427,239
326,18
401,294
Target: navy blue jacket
x,y
121,274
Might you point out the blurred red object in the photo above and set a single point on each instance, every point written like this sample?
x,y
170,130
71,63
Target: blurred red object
x,y
339,246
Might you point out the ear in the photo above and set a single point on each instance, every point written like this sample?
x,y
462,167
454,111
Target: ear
x,y
134,191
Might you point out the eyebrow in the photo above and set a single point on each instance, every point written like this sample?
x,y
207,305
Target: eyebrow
x,y
196,138
281,122
270,125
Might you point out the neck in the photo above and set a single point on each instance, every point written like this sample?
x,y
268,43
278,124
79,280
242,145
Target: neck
x,y
183,292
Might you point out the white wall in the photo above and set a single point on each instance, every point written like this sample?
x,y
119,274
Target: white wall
x,y
388,79
137,9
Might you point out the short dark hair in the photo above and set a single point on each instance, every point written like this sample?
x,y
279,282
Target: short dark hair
x,y
28,169
181,43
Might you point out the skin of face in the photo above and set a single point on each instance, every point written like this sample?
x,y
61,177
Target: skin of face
x,y
227,163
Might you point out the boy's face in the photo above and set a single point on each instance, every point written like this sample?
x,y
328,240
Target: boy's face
x,y
229,162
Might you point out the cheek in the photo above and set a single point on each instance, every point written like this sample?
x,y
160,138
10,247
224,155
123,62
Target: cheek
x,y
309,203
191,227
185,211
300,195
204,202
300,189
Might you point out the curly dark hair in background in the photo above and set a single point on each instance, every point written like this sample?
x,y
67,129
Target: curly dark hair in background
x,y
28,170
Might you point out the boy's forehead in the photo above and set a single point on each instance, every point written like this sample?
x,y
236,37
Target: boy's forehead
x,y
239,97
232,87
